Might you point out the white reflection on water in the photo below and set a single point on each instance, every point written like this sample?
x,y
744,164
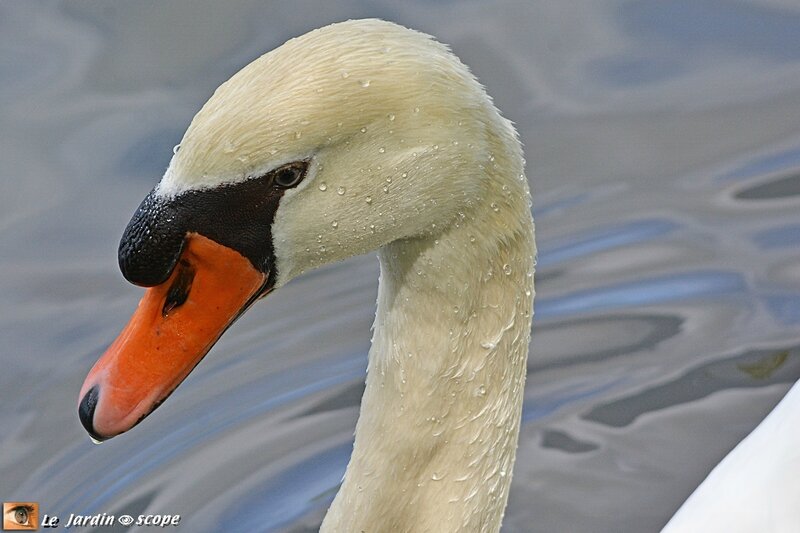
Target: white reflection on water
x,y
664,156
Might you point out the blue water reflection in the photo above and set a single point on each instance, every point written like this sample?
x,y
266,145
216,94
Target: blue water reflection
x,y
574,246
785,236
644,292
689,26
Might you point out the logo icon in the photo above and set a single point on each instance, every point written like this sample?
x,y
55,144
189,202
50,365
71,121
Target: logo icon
x,y
20,516
125,519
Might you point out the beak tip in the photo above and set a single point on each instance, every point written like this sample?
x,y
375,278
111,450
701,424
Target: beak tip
x,y
86,410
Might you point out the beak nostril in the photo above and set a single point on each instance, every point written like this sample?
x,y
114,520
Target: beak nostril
x,y
86,412
179,290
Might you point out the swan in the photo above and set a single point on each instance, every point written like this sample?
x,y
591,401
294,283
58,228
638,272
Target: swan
x,y
754,488
359,136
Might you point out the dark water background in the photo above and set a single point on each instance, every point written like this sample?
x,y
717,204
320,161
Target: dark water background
x,y
663,147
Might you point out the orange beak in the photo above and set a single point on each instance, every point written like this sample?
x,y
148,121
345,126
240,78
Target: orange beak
x,y
174,326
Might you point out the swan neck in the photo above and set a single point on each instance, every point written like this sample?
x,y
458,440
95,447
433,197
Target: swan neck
x,y
437,435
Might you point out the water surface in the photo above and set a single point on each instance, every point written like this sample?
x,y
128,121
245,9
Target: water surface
x,y
663,147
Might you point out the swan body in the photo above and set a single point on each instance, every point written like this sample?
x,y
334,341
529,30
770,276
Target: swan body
x,y
400,151
755,487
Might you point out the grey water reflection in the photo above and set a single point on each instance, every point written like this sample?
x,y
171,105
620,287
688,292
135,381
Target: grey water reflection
x,y
781,187
594,339
664,155
753,369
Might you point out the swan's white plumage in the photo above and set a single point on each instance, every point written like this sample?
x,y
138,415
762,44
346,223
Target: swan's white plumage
x,y
756,487
409,156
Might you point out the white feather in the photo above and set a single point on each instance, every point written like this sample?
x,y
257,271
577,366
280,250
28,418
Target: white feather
x,y
756,488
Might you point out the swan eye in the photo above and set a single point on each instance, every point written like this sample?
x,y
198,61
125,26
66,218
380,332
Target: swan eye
x,y
290,175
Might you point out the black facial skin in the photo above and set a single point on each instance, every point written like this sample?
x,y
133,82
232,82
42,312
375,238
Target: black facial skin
x,y
238,216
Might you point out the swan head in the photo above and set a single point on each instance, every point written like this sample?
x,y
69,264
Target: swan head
x,y
339,142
